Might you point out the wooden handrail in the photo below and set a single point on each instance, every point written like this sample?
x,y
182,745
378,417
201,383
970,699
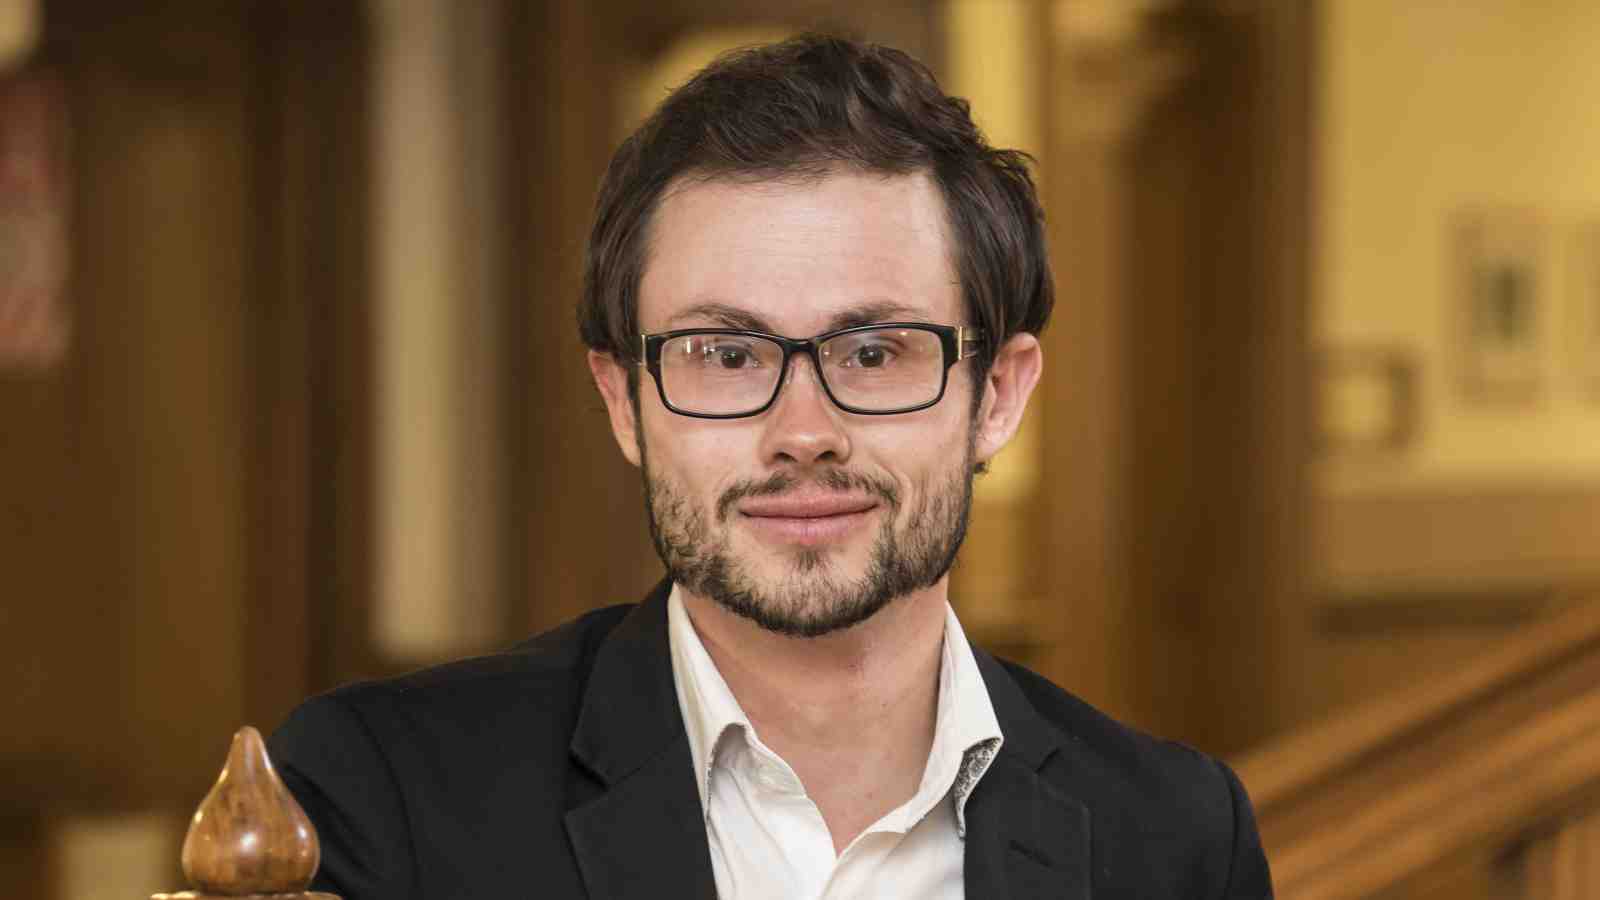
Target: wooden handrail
x,y
1480,759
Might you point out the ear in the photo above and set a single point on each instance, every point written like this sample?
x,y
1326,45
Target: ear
x,y
611,377
1006,391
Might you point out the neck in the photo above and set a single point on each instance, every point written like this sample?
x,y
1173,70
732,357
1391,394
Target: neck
x,y
853,713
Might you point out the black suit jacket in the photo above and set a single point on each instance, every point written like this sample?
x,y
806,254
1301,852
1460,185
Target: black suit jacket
x,y
561,769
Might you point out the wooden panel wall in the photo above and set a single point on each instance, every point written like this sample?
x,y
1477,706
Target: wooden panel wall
x,y
128,464
174,499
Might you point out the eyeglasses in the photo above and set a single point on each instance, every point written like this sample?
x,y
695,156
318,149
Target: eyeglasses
x,y
873,370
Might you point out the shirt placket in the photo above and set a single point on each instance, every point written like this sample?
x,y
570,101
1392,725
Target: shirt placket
x,y
793,821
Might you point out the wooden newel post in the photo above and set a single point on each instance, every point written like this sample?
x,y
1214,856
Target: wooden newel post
x,y
249,840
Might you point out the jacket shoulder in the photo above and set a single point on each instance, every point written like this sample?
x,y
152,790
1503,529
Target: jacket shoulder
x,y
1148,792
474,743
1123,750
535,684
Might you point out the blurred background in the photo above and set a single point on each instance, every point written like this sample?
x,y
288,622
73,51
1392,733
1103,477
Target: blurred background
x,y
291,394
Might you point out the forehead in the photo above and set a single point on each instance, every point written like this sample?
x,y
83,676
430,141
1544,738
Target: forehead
x,y
800,257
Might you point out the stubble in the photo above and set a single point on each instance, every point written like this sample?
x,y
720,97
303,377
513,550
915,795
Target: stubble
x,y
811,597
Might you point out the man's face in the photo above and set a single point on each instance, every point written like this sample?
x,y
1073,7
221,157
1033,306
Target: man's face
x,y
805,518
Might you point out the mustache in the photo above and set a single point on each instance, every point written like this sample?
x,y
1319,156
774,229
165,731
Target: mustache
x,y
837,480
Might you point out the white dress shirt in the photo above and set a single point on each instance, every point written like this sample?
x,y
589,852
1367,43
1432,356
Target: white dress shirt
x,y
768,839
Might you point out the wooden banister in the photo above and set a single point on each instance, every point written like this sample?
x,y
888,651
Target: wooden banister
x,y
1500,757
1566,864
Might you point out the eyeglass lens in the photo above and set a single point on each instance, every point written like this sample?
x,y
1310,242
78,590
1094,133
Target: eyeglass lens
x,y
875,370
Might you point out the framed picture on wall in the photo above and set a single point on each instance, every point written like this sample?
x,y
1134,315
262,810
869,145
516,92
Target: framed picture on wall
x,y
1585,344
1501,301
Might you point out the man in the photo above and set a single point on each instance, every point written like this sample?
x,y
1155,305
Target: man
x,y
811,305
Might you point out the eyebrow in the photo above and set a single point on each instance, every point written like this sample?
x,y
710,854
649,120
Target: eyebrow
x,y
728,316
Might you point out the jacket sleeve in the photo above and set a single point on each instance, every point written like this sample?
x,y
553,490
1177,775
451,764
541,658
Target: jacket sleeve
x,y
1248,875
327,756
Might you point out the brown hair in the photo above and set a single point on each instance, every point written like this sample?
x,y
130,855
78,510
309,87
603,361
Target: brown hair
x,y
798,109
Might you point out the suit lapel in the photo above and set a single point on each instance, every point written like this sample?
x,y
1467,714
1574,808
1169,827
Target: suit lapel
x,y
1026,840
644,836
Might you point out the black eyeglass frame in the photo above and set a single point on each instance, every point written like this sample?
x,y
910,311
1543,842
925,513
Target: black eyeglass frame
x,y
952,340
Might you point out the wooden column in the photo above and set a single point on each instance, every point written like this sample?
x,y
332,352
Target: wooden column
x,y
1107,71
1174,428
586,542
1243,295
307,618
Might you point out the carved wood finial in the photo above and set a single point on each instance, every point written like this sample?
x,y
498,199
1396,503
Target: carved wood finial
x,y
249,838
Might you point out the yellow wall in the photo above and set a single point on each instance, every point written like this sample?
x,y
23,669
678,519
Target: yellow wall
x,y
992,52
1426,109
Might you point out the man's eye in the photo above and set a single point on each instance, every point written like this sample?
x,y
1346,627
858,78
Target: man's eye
x,y
727,357
870,356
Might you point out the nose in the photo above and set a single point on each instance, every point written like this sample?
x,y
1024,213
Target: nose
x,y
804,427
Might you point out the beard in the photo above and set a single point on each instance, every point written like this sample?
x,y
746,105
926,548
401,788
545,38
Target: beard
x,y
811,597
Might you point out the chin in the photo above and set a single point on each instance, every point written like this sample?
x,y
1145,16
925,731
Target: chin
x,y
790,566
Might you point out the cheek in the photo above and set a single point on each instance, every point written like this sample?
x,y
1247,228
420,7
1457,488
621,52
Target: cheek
x,y
932,434
702,456
920,453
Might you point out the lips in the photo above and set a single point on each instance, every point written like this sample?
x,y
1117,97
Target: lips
x,y
799,506
814,520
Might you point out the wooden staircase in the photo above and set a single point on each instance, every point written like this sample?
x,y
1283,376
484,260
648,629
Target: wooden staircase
x,y
1482,782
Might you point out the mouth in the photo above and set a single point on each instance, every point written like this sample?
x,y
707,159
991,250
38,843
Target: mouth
x,y
807,519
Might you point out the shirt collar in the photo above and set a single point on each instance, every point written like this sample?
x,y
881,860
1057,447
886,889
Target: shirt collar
x,y
966,732
708,705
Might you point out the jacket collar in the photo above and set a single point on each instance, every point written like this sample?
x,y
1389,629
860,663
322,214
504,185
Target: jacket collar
x,y
644,836
645,833
1026,839
630,707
